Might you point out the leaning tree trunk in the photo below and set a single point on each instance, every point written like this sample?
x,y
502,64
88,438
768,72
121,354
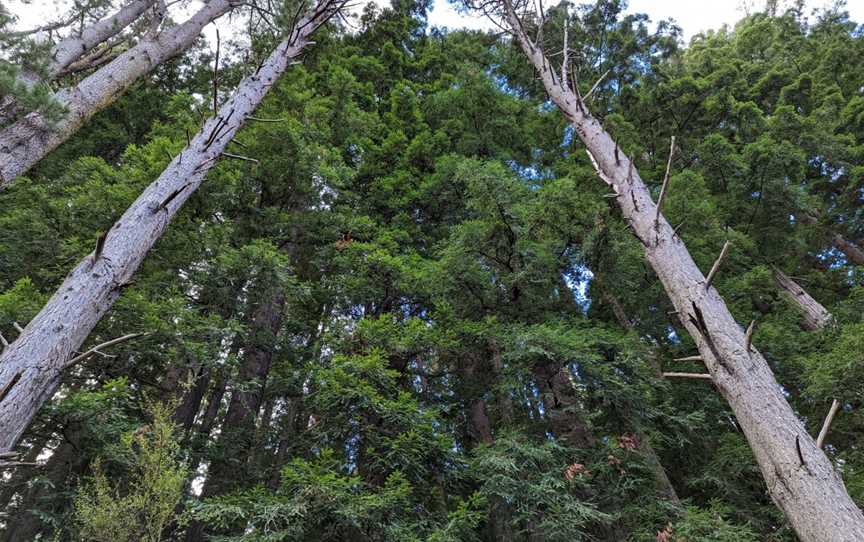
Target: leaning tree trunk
x,y
71,49
799,477
74,47
31,138
814,315
31,367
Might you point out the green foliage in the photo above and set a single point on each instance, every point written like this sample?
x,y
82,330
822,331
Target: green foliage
x,y
143,508
417,318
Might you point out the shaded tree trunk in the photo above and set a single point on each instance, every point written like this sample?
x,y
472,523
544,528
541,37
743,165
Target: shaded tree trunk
x,y
800,478
853,252
30,368
45,494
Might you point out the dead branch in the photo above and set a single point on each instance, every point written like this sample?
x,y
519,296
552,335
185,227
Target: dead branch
x,y
835,405
697,376
81,357
665,187
717,264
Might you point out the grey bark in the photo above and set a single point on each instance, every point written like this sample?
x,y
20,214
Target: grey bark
x,y
31,367
814,318
800,478
74,47
31,138
814,315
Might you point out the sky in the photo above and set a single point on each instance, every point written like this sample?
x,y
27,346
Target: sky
x,y
693,16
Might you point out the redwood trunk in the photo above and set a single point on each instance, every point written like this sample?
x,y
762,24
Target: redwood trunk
x,y
799,477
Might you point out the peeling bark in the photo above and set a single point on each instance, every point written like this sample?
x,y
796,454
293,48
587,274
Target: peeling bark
x,y
800,478
31,367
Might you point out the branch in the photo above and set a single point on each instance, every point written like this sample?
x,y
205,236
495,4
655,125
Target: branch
x,y
748,337
597,83
665,187
717,264
689,358
216,75
106,344
698,376
259,119
835,405
240,157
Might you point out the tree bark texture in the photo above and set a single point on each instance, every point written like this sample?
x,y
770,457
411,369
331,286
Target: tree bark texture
x,y
814,315
31,367
31,138
799,477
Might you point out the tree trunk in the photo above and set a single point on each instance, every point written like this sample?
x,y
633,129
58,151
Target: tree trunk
x,y
66,460
31,138
561,405
799,477
814,315
853,252
238,427
30,368
74,47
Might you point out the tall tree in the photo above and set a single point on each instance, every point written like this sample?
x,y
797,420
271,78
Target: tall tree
x,y
33,364
799,476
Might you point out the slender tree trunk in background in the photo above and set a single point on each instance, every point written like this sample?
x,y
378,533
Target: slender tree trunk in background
x,y
197,441
800,478
814,315
67,460
853,252
238,427
191,397
661,478
561,405
31,367
31,138
480,430
289,431
237,439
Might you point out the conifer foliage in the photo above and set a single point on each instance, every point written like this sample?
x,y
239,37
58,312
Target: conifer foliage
x,y
385,297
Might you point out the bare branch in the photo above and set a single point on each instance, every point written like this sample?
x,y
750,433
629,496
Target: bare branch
x,y
717,264
698,376
597,84
240,157
748,337
665,187
689,358
835,405
81,357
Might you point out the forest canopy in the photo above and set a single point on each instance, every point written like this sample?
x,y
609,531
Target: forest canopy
x,y
345,276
